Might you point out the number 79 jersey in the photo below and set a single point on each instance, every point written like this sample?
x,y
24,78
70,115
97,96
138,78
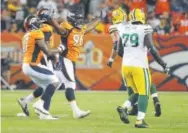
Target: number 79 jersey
x,y
135,51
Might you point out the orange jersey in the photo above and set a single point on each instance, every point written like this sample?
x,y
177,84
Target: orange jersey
x,y
73,40
32,52
48,31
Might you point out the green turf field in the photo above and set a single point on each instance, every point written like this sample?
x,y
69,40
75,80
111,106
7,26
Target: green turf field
x,y
104,118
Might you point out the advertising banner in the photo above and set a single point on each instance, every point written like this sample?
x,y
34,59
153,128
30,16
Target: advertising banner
x,y
91,70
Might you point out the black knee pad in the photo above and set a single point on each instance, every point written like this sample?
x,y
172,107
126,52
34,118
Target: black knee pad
x,y
69,93
38,92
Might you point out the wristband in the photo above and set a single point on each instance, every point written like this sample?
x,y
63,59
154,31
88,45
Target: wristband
x,y
111,59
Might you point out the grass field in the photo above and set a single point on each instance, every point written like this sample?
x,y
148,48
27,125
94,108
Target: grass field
x,y
104,118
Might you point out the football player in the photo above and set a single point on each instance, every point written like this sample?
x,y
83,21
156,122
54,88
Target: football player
x,y
72,32
47,31
34,46
136,39
119,16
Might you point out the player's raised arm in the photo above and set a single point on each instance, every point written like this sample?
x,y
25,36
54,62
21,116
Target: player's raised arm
x,y
60,30
116,42
118,16
149,43
91,25
47,16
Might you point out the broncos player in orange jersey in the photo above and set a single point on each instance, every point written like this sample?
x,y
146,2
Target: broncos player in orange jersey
x,y
48,37
72,33
34,47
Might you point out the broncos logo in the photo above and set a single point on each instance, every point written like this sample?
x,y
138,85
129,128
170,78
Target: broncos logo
x,y
174,51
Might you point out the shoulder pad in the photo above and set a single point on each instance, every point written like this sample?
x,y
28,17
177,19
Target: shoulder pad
x,y
148,29
66,25
38,34
46,28
112,28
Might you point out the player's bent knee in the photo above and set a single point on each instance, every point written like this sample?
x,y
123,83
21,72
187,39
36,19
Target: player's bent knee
x,y
55,81
38,92
70,85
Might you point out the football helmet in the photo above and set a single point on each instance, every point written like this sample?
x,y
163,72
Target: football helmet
x,y
31,22
45,14
118,16
137,15
75,17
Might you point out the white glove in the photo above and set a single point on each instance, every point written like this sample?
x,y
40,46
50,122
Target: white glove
x,y
61,48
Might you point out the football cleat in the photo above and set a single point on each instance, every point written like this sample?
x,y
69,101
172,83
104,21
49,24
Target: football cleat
x,y
47,117
133,111
157,109
24,106
39,109
81,114
123,114
141,124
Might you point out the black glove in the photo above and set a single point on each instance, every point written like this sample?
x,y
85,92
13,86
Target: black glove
x,y
110,62
166,69
104,13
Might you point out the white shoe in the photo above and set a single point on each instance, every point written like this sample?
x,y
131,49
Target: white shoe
x,y
37,112
47,117
81,114
39,109
24,106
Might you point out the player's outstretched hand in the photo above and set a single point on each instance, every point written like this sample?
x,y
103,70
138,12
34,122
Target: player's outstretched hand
x,y
110,62
61,48
166,69
104,12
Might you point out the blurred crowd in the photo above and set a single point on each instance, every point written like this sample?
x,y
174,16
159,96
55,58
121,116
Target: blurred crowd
x,y
165,16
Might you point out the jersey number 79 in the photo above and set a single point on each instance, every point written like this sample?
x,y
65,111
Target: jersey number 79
x,y
130,40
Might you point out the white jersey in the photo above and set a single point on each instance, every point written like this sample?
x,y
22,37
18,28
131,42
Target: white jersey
x,y
135,51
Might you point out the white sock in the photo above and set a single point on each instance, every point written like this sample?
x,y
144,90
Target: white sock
x,y
74,106
154,95
29,98
141,115
127,104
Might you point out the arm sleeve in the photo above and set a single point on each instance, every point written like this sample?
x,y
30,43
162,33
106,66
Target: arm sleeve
x,y
112,29
148,42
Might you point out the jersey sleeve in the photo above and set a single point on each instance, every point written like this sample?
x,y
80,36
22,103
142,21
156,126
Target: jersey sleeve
x,y
84,28
65,25
112,29
148,29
